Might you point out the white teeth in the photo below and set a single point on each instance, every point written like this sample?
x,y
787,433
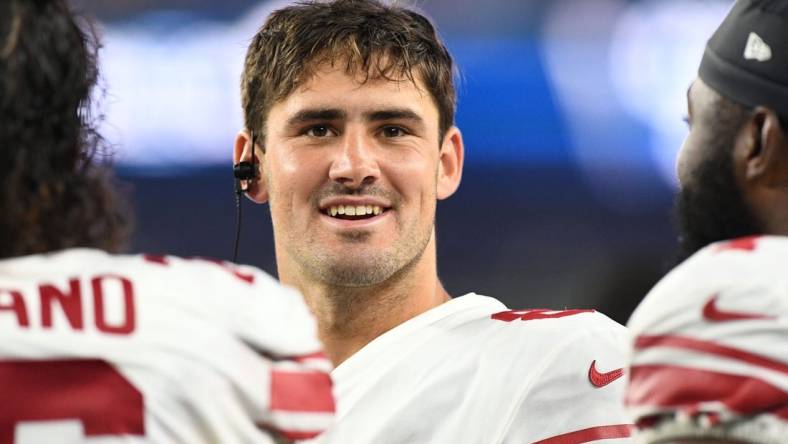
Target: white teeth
x,y
354,210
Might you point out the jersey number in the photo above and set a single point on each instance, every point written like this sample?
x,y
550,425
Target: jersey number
x,y
536,314
90,391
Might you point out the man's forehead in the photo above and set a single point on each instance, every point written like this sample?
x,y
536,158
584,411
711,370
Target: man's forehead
x,y
334,88
325,73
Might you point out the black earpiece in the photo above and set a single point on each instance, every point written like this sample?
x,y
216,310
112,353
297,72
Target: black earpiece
x,y
243,170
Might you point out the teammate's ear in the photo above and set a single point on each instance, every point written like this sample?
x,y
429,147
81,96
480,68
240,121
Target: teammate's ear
x,y
255,189
452,156
766,153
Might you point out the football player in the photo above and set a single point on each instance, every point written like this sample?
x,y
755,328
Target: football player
x,y
710,355
349,121
98,347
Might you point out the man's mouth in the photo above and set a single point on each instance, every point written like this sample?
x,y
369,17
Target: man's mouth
x,y
354,212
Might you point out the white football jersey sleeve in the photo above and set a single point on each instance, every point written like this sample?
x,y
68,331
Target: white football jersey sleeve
x,y
710,345
472,371
103,348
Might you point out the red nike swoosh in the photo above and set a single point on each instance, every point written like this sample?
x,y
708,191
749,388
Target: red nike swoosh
x,y
602,379
713,314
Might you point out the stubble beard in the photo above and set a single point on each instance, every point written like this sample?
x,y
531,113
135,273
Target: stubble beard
x,y
359,265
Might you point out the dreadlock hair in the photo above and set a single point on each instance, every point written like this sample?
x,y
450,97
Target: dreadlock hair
x,y
53,195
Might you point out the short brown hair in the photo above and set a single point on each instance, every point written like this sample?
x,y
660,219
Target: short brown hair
x,y
372,38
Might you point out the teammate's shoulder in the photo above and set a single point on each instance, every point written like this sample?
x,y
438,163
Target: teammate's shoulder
x,y
743,261
740,271
751,251
200,269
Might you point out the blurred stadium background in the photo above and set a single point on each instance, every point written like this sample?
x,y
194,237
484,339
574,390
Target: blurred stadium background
x,y
571,110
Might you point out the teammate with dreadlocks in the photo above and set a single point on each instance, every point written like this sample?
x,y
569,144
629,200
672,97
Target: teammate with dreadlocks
x,y
101,347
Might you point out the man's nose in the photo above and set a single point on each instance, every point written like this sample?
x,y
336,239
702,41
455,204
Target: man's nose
x,y
356,164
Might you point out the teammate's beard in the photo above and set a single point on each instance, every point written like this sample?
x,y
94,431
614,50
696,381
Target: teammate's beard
x,y
712,207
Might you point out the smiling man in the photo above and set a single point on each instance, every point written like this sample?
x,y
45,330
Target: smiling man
x,y
349,115
710,355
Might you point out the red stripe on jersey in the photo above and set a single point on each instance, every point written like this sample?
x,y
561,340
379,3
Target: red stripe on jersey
x,y
711,348
297,435
295,391
684,388
590,435
156,259
748,243
536,314
292,435
89,390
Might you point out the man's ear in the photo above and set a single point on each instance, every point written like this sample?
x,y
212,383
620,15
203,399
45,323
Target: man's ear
x,y
255,189
765,150
452,156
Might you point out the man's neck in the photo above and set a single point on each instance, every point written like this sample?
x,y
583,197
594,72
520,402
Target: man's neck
x,y
349,318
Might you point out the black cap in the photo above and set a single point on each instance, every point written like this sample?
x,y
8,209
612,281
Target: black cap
x,y
746,60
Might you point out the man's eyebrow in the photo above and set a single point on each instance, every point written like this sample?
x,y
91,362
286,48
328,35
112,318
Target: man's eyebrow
x,y
310,115
393,114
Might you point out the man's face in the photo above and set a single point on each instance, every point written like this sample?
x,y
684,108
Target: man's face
x,y
351,171
710,206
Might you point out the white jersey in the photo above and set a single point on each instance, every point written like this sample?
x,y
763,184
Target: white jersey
x,y
721,318
103,348
471,371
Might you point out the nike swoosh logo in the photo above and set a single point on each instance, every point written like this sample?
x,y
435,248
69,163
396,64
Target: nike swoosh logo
x,y
602,379
713,314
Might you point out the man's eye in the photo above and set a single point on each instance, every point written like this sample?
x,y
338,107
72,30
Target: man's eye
x,y
393,131
318,131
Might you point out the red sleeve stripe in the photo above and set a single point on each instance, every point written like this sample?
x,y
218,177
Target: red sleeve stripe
x,y
293,435
712,348
156,259
685,388
299,391
298,435
590,435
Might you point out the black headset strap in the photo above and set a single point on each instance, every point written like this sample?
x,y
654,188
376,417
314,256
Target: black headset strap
x,y
238,191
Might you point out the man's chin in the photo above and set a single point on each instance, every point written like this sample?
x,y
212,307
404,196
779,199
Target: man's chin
x,y
355,269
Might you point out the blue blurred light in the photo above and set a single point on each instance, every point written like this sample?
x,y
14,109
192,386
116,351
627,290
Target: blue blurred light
x,y
594,90
506,110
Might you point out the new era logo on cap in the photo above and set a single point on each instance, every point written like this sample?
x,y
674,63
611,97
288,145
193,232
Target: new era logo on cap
x,y
757,49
